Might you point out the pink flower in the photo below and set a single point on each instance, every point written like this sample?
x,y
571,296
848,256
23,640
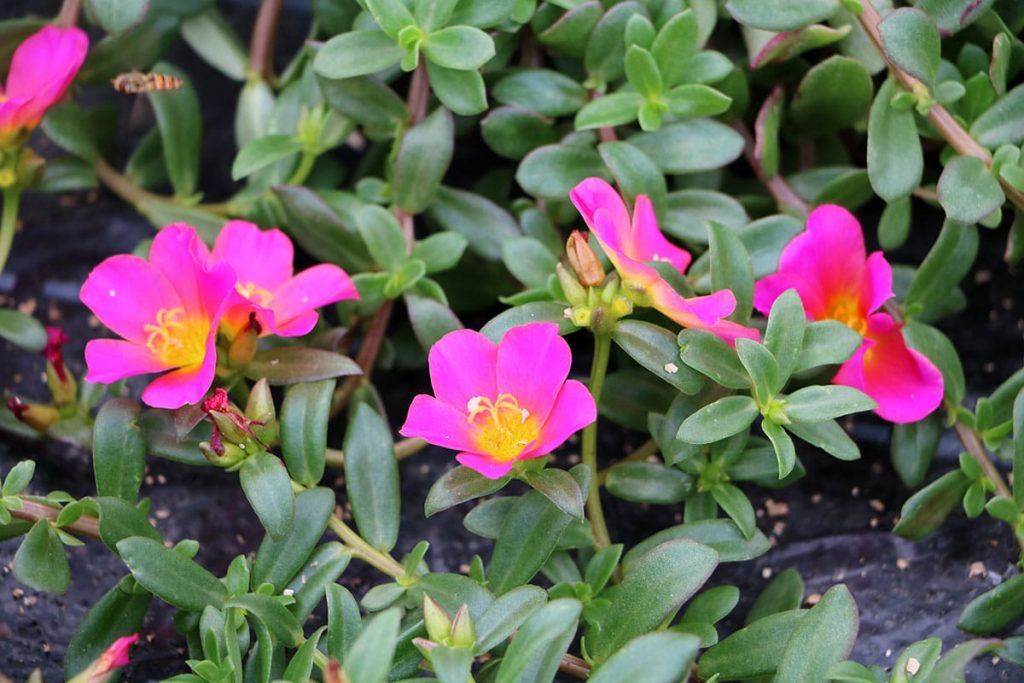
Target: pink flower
x,y
828,268
42,68
284,304
112,659
167,309
630,243
500,403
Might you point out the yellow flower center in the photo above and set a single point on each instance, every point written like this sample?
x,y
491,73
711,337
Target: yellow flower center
x,y
503,428
846,309
177,340
254,293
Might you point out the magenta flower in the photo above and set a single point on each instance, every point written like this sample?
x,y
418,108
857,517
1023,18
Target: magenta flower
x,y
828,268
112,659
284,304
630,243
500,403
42,68
167,310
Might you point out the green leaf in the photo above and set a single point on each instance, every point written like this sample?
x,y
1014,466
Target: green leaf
x,y
528,536
816,403
281,623
642,72
120,520
968,190
440,251
927,509
1003,122
550,172
784,335
297,364
544,91
67,125
1017,418
482,13
784,593
735,504
461,91
310,584
835,94
569,35
691,146
675,46
546,311
911,40
371,477
367,101
451,664
484,224
828,436
695,100
912,447
606,47
170,575
709,355
423,158
430,319
434,15
261,152
783,445
654,586
953,15
301,665
117,16
369,659
781,15
459,485
382,235
505,615
635,173
760,364
827,342
559,487
268,489
22,330
277,561
343,621
895,160
18,477
655,349
660,657
118,450
119,612
823,637
357,53
391,15
513,132
719,420
40,561
181,130
529,261
305,413
210,36
612,110
996,609
948,261
950,668
894,226
540,642
458,47
753,651
721,535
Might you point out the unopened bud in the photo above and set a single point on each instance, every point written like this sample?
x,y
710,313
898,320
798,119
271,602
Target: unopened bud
x,y
437,621
221,454
58,377
243,346
36,415
463,634
621,306
334,673
571,287
112,659
261,412
583,260
231,424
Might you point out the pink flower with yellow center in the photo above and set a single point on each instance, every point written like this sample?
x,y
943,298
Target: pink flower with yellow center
x,y
500,403
284,304
828,267
42,68
631,242
167,310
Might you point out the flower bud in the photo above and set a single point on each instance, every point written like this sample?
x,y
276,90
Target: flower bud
x,y
30,167
463,633
225,455
243,346
36,415
229,421
58,377
437,621
112,659
571,287
261,412
583,260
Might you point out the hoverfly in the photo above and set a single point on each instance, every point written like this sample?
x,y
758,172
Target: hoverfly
x,y
137,82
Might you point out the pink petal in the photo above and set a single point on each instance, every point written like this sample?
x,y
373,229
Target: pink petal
x,y
573,410
876,287
838,244
235,317
698,311
43,67
463,365
730,331
438,423
492,469
110,360
14,115
125,292
533,362
318,286
184,386
905,384
648,242
262,257
185,261
595,194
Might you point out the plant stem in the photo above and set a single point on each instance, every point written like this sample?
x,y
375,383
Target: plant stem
x,y
958,138
68,15
366,357
404,448
305,167
602,349
787,200
419,93
363,550
574,666
8,222
32,511
261,47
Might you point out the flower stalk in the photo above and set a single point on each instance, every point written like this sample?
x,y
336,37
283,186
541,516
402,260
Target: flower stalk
x,y
598,370
8,222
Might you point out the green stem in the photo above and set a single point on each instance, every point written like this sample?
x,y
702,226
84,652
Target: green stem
x,y
602,349
8,221
363,550
304,168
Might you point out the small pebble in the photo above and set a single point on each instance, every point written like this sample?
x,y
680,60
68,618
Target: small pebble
x,y
902,563
976,569
913,666
813,599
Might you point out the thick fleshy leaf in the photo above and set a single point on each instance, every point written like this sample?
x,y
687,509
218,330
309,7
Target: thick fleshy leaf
x,y
371,477
968,190
295,364
927,509
118,450
995,609
753,651
911,40
423,158
537,650
895,160
170,575
824,636
659,657
119,612
781,15
40,561
268,489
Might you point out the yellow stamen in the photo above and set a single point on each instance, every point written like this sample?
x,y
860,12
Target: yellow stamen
x,y
254,293
503,428
846,309
177,340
